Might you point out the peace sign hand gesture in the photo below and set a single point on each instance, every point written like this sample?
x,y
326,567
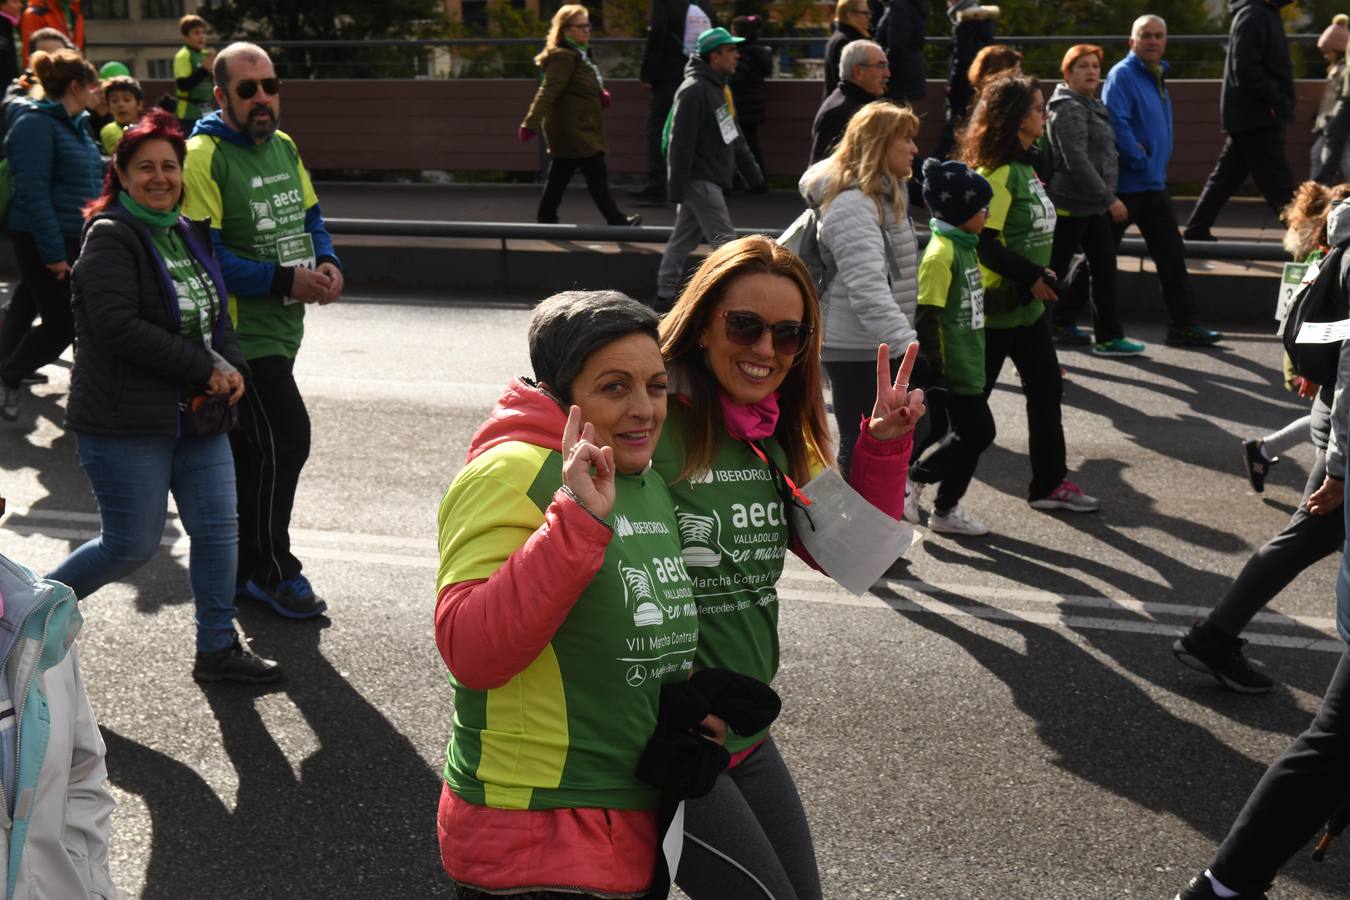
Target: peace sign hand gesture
x,y
580,455
898,409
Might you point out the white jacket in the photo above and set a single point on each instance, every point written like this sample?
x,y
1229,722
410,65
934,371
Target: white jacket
x,y
61,806
872,295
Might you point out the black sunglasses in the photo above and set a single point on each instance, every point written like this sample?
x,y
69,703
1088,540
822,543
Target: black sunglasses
x,y
249,86
745,328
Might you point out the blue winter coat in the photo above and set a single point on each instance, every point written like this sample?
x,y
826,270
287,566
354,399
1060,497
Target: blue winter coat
x,y
55,169
1142,118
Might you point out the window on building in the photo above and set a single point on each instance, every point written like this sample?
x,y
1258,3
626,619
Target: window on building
x,y
161,9
105,9
160,69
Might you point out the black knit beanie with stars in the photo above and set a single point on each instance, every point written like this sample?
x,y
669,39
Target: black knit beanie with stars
x,y
954,191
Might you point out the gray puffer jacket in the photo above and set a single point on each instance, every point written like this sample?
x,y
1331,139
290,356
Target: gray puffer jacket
x,y
1084,145
874,288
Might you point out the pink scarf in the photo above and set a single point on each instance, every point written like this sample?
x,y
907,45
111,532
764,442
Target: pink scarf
x,y
752,422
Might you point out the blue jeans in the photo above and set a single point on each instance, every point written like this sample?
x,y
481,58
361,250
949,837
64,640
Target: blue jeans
x,y
131,478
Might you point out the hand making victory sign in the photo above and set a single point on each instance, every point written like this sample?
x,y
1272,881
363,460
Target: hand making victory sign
x,y
580,455
898,409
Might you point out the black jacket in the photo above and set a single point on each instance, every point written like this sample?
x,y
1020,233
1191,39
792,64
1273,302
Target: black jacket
x,y
663,58
832,118
844,35
747,85
1258,76
905,27
972,31
697,149
132,365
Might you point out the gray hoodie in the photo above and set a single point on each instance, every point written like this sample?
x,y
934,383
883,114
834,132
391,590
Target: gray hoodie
x,y
1084,146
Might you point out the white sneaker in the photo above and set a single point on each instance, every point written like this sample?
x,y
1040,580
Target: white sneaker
x,y
913,495
956,521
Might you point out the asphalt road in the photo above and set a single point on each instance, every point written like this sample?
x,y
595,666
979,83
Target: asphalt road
x,y
1005,722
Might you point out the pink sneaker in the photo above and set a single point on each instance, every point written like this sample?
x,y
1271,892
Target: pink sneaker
x,y
1067,496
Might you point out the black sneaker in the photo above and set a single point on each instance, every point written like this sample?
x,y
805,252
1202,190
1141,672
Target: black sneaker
x,y
627,221
1258,467
35,378
1201,889
1196,234
1192,336
1206,649
235,663
292,599
1071,336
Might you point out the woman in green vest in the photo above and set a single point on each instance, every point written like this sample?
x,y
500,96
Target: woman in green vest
x,y
1014,253
569,108
746,427
563,606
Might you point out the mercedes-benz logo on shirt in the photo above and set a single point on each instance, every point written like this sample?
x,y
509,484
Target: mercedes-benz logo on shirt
x,y
636,675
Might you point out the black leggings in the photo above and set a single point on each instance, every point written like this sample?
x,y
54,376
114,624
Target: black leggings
x,y
853,393
560,172
32,347
952,464
1305,540
1032,351
1098,240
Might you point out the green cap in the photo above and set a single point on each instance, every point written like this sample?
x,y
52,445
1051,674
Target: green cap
x,y
113,69
715,37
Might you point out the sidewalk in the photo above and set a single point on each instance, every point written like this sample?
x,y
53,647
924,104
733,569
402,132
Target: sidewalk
x,y
1225,291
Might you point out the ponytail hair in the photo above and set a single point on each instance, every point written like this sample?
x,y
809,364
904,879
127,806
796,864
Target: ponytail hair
x,y
58,71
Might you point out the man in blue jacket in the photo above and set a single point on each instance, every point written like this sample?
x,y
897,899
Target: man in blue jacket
x,y
1141,112
1255,105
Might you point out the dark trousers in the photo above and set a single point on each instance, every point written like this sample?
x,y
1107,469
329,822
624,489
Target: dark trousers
x,y
1097,238
1305,540
663,98
751,132
270,445
17,320
1156,218
1295,797
35,347
853,393
560,172
952,465
1032,351
1259,154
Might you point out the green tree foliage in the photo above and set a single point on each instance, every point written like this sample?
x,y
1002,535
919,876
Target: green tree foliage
x,y
264,20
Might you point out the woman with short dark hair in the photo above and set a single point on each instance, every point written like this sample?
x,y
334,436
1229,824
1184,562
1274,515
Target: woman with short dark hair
x,y
569,108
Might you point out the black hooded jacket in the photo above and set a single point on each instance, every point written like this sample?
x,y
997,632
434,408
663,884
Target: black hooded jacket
x,y
1258,75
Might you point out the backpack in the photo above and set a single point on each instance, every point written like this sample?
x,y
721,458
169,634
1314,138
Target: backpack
x,y
802,237
1323,300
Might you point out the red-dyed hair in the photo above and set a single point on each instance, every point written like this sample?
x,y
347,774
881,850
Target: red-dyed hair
x,y
154,125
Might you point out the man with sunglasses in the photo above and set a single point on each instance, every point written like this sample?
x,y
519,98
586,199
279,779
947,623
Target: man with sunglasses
x,y
246,176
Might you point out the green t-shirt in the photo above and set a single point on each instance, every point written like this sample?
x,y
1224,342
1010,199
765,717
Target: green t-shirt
x,y
568,731
1024,217
949,278
197,300
257,196
200,99
734,528
109,135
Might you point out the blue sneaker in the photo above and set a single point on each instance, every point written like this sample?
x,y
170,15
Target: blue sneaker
x,y
293,598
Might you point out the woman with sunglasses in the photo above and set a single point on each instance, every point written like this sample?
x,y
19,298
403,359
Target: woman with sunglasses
x,y
867,240
1014,251
569,108
745,427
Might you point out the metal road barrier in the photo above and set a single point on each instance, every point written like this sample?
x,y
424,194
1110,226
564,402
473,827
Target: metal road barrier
x,y
1239,251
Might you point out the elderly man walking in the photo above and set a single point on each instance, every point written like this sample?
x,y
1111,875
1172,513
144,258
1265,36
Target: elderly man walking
x,y
246,176
1256,103
863,72
1141,112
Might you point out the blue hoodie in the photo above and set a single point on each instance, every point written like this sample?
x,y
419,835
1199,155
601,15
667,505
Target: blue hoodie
x,y
1142,117
55,169
247,277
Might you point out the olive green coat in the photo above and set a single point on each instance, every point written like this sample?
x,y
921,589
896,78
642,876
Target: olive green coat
x,y
566,107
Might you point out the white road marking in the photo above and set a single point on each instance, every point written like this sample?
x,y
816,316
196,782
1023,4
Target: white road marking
x,y
797,585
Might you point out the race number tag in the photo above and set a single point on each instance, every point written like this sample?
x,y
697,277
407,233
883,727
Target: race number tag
x,y
853,541
1295,276
727,123
294,252
976,284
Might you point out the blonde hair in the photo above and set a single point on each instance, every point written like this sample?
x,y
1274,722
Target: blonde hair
x,y
560,20
860,158
802,427
58,71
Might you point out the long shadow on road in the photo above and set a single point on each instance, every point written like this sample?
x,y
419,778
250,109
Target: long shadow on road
x,y
356,820
1105,730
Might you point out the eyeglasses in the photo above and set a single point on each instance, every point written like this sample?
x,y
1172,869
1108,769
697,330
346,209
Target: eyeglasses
x,y
746,328
584,26
249,86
